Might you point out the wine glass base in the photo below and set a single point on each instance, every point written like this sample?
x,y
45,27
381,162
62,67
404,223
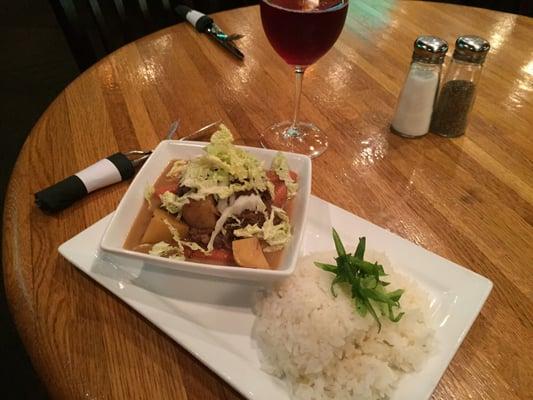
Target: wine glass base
x,y
304,138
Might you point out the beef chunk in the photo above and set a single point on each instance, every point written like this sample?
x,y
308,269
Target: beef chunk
x,y
203,235
223,241
248,217
200,213
200,235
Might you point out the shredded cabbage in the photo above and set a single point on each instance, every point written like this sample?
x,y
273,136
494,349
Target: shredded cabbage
x,y
251,202
176,237
225,169
276,235
249,231
177,168
281,167
271,189
163,249
195,246
149,191
174,203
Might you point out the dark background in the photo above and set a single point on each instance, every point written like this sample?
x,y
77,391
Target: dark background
x,y
41,51
35,66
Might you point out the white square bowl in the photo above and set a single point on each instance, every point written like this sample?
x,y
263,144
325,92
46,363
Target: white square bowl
x,y
130,205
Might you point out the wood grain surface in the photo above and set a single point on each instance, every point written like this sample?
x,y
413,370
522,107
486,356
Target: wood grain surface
x,y
467,199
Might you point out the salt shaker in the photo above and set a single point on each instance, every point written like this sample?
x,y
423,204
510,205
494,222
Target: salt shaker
x,y
416,101
458,91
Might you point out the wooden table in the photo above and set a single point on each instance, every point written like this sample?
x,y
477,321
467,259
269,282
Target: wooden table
x,y
468,199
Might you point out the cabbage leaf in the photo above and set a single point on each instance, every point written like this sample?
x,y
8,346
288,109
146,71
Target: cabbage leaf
x,y
163,249
281,168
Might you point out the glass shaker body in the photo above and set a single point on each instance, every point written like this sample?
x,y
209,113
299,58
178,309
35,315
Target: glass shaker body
x,y
415,104
412,117
458,90
459,70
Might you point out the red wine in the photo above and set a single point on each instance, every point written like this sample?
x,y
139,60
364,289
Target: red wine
x,y
302,31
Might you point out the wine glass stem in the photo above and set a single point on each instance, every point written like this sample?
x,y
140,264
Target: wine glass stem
x,y
299,75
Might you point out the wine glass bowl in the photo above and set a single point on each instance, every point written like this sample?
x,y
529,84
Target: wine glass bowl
x,y
300,31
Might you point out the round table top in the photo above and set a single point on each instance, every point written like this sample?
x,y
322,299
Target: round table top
x,y
467,199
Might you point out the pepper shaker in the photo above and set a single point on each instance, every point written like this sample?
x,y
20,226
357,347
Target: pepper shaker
x,y
458,91
415,104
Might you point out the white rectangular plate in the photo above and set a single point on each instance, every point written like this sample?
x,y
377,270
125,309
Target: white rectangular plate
x,y
212,318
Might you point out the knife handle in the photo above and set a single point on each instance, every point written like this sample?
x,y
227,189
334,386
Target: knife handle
x,y
110,170
197,19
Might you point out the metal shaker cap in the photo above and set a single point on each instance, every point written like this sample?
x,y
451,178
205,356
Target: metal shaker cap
x,y
430,49
472,49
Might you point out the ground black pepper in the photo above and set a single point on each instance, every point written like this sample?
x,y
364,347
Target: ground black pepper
x,y
450,116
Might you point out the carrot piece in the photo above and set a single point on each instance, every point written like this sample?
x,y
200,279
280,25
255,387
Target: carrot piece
x,y
217,256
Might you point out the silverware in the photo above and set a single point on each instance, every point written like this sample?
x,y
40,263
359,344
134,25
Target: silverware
x,y
137,157
200,132
205,24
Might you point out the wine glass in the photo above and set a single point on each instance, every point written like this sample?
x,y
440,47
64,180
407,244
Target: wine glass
x,y
301,31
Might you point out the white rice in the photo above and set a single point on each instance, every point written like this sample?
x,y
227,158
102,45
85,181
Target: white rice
x,y
324,349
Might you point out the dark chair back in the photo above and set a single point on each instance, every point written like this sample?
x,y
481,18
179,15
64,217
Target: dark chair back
x,y
523,7
94,28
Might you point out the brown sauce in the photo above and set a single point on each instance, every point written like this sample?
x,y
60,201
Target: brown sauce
x,y
138,228
145,213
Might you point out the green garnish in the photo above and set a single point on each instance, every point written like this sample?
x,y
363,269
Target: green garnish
x,y
367,288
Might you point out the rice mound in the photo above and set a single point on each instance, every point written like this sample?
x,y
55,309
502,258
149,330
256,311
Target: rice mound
x,y
324,349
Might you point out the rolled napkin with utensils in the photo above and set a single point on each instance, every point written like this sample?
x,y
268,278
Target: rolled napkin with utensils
x,y
115,168
108,171
205,24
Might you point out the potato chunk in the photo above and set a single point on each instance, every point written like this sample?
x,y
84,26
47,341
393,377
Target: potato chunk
x,y
200,213
248,253
158,231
